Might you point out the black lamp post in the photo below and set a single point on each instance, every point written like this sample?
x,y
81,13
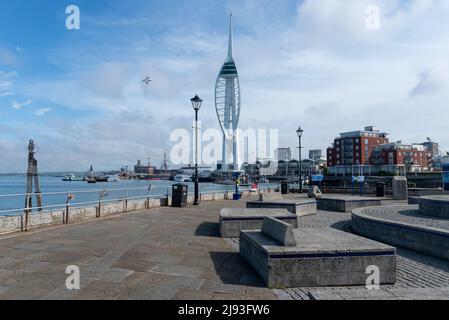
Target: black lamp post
x,y
196,103
299,132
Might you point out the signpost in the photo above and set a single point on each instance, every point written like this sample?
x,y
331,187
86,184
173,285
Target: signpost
x,y
317,180
360,180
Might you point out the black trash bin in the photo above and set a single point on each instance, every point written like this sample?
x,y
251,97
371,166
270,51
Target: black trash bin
x,y
284,187
179,195
380,189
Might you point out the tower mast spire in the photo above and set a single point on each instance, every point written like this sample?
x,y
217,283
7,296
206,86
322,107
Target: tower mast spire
x,y
230,37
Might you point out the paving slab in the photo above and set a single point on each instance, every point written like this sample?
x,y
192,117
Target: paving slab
x,y
161,253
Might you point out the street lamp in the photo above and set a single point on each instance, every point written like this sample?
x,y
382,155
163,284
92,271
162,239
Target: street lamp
x,y
196,103
299,132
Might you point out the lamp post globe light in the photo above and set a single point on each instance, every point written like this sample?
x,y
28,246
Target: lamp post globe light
x,y
299,132
196,104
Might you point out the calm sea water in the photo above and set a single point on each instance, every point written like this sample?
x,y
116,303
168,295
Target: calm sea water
x,y
15,185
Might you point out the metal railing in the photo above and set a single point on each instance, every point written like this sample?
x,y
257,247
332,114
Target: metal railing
x,y
99,198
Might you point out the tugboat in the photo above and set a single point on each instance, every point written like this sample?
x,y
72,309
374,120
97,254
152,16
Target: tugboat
x,y
90,177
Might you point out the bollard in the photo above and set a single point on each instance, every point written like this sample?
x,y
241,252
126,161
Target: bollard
x,y
125,203
148,195
101,195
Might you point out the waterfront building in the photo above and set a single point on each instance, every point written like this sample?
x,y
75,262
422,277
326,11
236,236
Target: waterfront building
x,y
283,154
354,148
397,157
227,105
433,154
368,151
316,154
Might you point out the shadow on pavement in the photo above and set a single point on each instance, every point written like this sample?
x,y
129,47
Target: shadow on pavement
x,y
234,270
208,229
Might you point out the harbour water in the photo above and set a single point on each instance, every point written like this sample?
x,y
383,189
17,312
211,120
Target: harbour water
x,y
12,189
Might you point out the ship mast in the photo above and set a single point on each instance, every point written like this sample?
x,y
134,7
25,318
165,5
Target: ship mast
x,y
164,166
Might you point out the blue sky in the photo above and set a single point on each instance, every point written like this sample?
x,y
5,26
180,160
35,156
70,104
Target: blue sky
x,y
313,62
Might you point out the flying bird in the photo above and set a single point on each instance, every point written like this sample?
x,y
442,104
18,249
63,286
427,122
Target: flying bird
x,y
147,80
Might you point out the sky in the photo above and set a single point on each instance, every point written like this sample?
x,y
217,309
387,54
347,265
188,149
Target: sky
x,y
79,93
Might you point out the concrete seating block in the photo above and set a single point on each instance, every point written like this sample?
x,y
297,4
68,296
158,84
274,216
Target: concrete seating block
x,y
270,196
300,207
346,203
279,231
314,193
435,206
321,257
233,220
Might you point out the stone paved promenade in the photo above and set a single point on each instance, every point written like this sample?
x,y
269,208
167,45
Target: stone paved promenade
x,y
170,253
163,253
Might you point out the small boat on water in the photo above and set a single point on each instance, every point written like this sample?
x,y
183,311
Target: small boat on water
x,y
72,177
182,178
91,177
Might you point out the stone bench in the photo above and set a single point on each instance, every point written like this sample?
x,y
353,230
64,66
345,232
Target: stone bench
x,y
233,220
285,257
301,207
270,196
346,203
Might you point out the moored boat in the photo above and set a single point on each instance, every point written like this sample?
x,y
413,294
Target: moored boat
x,y
182,178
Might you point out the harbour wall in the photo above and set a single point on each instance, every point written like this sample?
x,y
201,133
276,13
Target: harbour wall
x,y
18,223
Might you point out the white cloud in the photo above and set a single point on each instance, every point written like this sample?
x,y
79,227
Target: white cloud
x,y
19,105
41,112
6,83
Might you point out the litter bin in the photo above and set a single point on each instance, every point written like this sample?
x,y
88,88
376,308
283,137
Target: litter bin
x,y
179,195
236,196
284,187
380,189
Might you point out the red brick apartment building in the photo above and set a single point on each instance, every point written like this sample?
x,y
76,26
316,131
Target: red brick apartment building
x,y
369,151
